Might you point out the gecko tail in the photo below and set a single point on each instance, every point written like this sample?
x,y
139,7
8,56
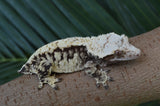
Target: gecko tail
x,y
19,71
24,70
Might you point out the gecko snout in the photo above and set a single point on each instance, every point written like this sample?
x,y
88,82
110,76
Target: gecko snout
x,y
138,53
134,54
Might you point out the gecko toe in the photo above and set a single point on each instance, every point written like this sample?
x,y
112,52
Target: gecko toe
x,y
40,85
56,87
106,86
94,75
97,85
107,71
111,79
39,88
59,79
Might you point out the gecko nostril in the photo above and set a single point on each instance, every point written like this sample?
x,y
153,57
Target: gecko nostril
x,y
138,54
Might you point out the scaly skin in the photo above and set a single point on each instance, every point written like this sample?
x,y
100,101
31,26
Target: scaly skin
x,y
69,55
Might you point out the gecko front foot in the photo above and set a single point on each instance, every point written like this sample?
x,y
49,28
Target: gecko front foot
x,y
103,79
51,80
100,76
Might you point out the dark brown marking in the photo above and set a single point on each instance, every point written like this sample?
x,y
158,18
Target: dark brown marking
x,y
43,64
45,73
70,49
39,70
27,64
50,54
119,53
35,58
23,70
108,57
53,58
57,50
81,49
33,62
44,55
42,74
40,59
39,55
42,80
62,56
47,67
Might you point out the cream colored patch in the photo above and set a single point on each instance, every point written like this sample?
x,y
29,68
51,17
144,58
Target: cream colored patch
x,y
68,66
51,81
57,56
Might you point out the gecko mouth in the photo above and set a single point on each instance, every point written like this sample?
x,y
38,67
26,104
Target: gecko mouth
x,y
109,57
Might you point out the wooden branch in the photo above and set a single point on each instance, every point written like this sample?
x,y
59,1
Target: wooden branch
x,y
135,82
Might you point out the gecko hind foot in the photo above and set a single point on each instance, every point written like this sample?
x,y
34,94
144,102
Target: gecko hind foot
x,y
103,79
40,85
100,76
51,80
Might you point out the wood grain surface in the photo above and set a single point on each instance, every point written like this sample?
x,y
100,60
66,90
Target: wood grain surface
x,y
135,82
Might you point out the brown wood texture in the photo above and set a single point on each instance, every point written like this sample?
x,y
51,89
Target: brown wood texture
x,y
135,82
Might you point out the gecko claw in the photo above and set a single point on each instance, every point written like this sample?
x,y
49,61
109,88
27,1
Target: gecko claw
x,y
56,88
39,88
97,85
111,79
106,86
107,71
59,79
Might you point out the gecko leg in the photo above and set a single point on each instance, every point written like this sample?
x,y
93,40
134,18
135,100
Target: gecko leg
x,y
100,75
46,77
90,69
103,78
50,80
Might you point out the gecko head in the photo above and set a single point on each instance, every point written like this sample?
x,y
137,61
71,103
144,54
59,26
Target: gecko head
x,y
25,69
125,51
114,47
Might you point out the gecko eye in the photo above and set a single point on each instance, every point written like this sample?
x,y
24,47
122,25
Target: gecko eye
x,y
118,53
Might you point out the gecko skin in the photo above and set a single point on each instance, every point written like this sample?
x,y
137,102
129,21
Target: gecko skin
x,y
89,54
